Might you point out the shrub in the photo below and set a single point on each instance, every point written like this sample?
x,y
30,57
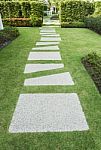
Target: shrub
x,y
7,35
35,21
94,23
75,10
92,63
17,22
72,24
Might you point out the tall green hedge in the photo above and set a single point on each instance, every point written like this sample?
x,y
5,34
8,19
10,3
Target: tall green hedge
x,y
75,10
22,9
97,8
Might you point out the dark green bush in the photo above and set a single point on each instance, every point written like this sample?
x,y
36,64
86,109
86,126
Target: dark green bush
x,y
7,35
94,23
92,63
72,24
75,10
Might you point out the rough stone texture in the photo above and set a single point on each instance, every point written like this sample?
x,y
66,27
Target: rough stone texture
x,y
51,35
48,113
46,43
44,56
50,39
55,79
46,48
29,68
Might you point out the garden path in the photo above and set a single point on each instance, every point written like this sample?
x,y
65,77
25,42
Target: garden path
x,y
52,112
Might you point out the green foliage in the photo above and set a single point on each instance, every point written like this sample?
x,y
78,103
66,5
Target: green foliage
x,y
94,23
36,13
75,10
36,21
10,9
8,34
97,8
92,63
24,9
73,24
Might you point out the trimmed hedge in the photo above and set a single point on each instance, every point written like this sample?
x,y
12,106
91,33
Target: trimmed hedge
x,y
97,8
72,24
36,13
17,22
24,9
75,10
94,23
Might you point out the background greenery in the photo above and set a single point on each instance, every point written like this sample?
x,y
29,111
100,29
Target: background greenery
x,y
32,10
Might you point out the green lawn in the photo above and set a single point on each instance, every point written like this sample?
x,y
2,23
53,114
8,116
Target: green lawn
x,y
75,44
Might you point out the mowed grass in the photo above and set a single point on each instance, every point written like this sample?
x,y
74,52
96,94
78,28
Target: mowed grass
x,y
76,43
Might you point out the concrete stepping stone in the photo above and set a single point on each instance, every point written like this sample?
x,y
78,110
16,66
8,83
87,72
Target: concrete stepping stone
x,y
45,31
50,39
46,43
48,33
59,112
55,79
51,35
44,56
46,48
29,68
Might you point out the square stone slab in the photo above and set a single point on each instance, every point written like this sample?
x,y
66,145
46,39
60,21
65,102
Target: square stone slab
x,y
46,48
50,39
29,68
50,35
59,112
46,43
44,56
55,79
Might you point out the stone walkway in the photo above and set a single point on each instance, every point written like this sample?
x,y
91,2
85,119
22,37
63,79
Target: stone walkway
x,y
53,112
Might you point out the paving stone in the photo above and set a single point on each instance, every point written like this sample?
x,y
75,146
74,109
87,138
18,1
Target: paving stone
x,y
48,33
45,31
46,43
59,112
55,79
51,35
47,28
44,56
29,68
46,48
50,39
